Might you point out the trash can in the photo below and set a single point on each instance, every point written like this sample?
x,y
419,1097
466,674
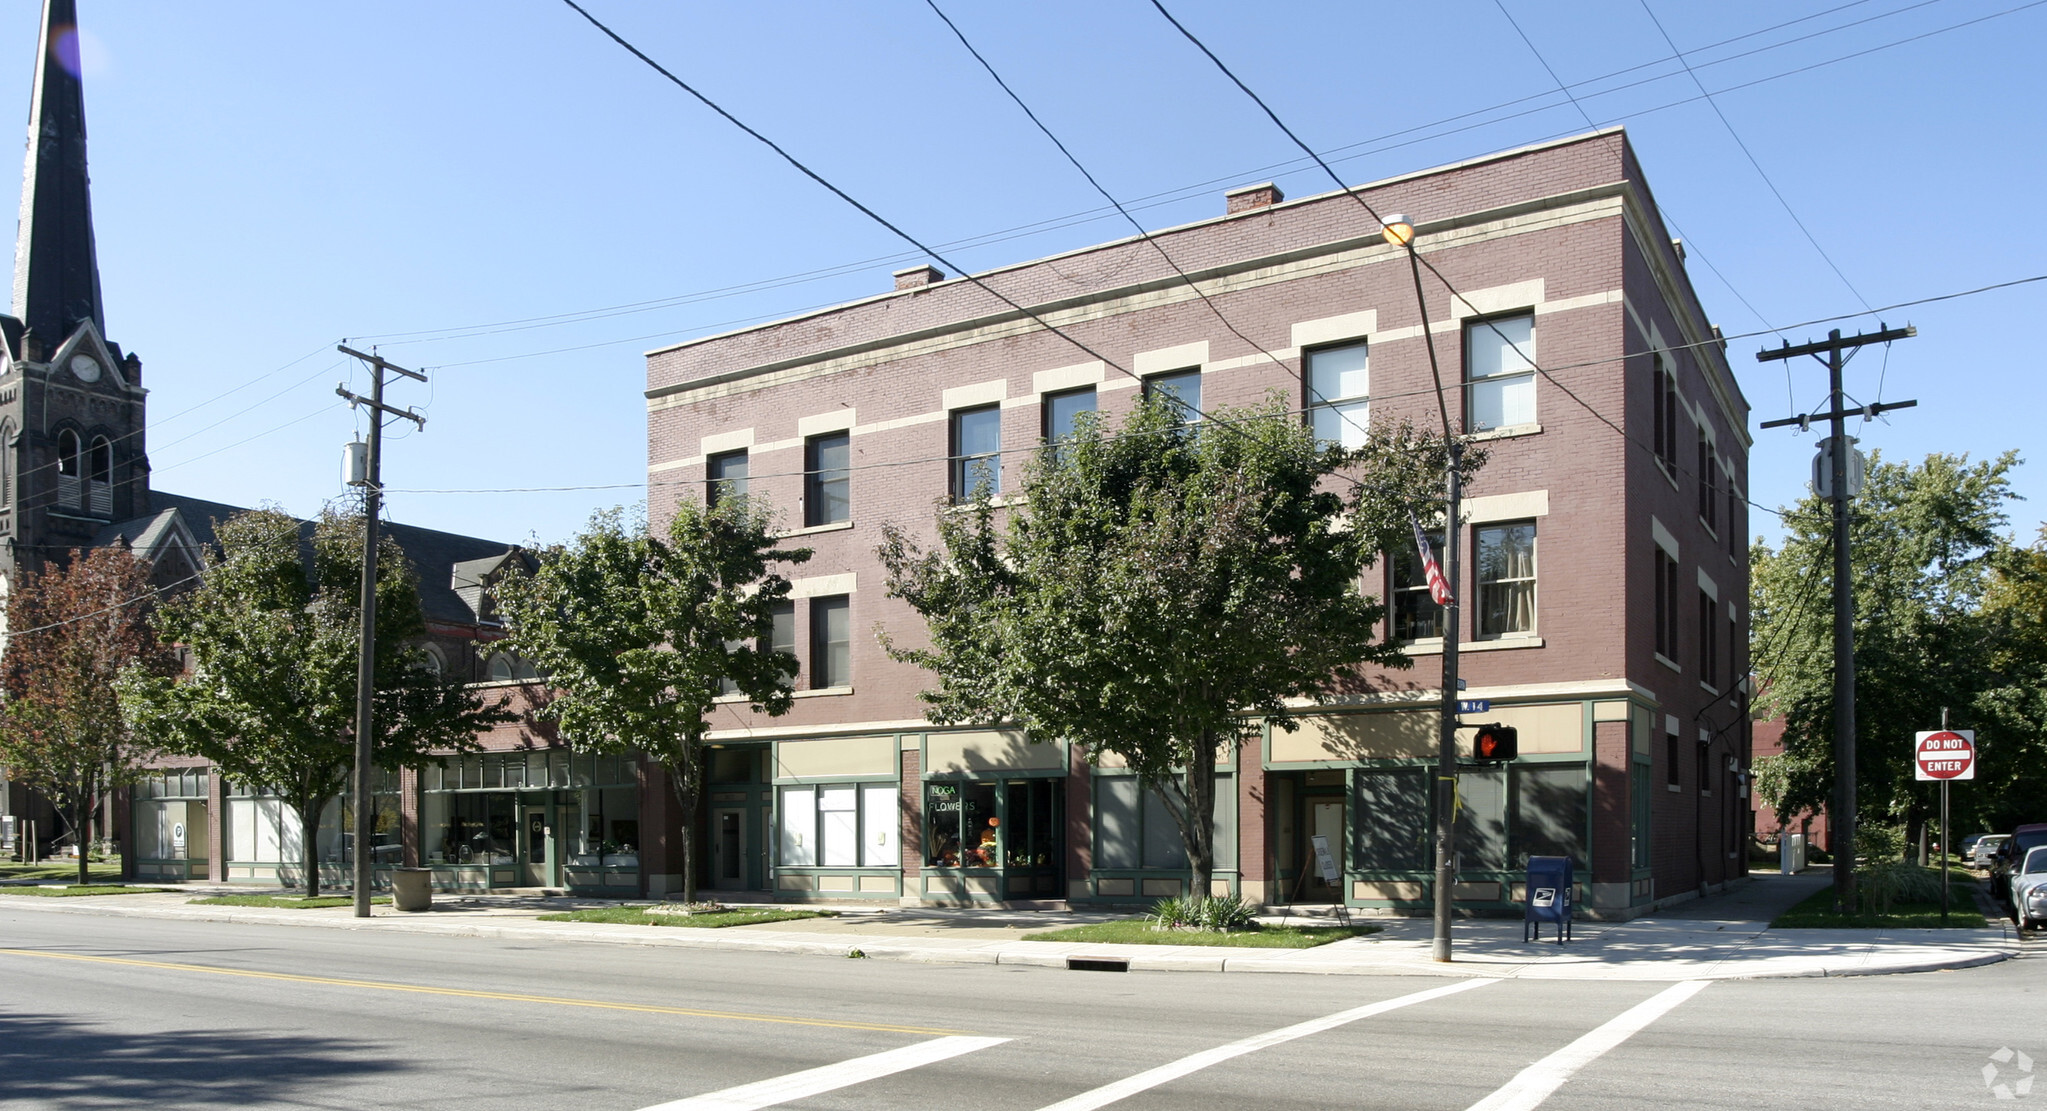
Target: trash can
x,y
412,889
1550,879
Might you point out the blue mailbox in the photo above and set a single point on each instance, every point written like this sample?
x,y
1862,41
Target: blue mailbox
x,y
1550,880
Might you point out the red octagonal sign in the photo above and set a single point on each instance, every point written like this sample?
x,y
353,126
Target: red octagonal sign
x,y
1946,754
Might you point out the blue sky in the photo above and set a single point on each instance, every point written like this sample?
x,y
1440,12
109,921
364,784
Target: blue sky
x,y
491,190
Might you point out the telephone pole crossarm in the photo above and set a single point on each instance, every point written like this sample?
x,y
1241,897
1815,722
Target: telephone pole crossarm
x,y
1821,347
408,414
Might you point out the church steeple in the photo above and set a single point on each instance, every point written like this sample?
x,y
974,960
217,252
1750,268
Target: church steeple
x,y
56,269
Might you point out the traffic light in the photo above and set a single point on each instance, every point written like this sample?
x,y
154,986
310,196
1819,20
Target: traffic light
x,y
1496,742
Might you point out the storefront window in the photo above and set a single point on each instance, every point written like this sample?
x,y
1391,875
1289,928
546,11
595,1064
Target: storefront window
x,y
964,830
839,826
170,815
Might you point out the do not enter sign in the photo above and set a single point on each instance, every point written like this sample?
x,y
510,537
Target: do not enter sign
x,y
1946,754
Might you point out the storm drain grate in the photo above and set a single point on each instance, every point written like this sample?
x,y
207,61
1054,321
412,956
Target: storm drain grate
x,y
1098,964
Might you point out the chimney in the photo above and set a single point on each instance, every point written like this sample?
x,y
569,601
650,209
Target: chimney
x,y
1678,245
918,276
1247,197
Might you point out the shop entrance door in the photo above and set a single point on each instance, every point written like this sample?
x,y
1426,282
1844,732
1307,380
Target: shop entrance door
x,y
536,843
1325,819
728,850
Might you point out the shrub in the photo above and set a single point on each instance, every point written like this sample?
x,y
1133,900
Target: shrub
x,y
1217,914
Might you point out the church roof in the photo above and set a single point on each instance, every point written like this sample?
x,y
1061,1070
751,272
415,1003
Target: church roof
x,y
445,562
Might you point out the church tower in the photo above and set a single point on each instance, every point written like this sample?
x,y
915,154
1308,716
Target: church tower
x,y
72,460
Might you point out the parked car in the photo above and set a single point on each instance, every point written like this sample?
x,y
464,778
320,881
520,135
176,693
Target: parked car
x,y
1979,857
2028,889
2008,855
1968,845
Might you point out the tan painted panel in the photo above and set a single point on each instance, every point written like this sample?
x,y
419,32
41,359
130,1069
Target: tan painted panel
x,y
797,883
1116,887
1153,888
990,750
835,883
984,885
1219,888
1639,730
1486,892
836,756
941,885
1609,711
1407,733
877,884
1375,889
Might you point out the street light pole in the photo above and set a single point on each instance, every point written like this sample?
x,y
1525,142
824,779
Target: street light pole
x,y
1399,231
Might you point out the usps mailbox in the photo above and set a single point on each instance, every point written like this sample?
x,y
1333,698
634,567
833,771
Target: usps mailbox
x,y
1550,880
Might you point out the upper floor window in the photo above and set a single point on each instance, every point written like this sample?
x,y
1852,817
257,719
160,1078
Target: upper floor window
x,y
725,476
99,477
1499,372
1735,542
831,642
1063,410
70,468
1339,382
976,452
1709,641
1183,386
1663,391
827,480
1666,605
1506,580
1416,616
1709,494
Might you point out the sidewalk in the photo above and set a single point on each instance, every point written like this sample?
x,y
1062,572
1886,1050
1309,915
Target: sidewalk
x,y
1721,937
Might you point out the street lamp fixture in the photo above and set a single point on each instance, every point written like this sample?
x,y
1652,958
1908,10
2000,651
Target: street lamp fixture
x,y
1398,230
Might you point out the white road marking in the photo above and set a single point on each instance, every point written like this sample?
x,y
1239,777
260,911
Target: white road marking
x,y
810,1082
1152,1078
1540,1080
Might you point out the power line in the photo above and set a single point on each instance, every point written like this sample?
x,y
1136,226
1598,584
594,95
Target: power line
x,y
1168,196
1750,155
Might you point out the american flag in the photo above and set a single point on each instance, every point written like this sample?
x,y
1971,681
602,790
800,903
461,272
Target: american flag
x,y
1439,587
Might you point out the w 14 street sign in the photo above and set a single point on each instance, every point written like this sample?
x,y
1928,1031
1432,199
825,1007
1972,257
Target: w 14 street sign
x,y
1945,754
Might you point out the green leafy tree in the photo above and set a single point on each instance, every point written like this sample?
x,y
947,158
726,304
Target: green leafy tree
x,y
273,634
639,636
1162,586
73,628
2011,708
1924,541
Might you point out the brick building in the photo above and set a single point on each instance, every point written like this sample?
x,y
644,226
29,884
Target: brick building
x,y
1608,525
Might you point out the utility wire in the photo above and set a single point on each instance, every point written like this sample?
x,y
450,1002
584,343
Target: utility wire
x,y
1173,195
1750,155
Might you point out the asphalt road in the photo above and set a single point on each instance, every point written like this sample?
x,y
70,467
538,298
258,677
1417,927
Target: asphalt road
x,y
112,1012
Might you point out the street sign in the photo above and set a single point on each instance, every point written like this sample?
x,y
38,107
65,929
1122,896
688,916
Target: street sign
x,y
1945,754
1474,705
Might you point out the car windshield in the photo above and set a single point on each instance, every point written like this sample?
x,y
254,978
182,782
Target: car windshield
x,y
2036,860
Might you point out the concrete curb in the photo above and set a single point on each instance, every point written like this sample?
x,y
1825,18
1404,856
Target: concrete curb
x,y
1829,957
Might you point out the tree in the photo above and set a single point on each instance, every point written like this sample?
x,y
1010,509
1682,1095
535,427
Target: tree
x,y
1924,541
1162,586
74,628
2011,708
273,634
640,635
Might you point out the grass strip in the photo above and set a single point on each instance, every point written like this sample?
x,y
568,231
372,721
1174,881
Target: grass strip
x,y
288,902
713,920
69,891
99,871
1817,913
1142,931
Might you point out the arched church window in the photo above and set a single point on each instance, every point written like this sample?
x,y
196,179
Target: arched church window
x,y
6,464
435,662
69,464
99,477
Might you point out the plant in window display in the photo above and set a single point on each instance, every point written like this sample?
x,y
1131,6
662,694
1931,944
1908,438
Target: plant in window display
x,y
1161,583
643,634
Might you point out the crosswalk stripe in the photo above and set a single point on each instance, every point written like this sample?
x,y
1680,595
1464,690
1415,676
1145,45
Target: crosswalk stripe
x,y
1152,1078
810,1082
1538,1081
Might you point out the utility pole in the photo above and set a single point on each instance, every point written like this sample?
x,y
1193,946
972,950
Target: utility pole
x,y
366,657
1843,819
1446,742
